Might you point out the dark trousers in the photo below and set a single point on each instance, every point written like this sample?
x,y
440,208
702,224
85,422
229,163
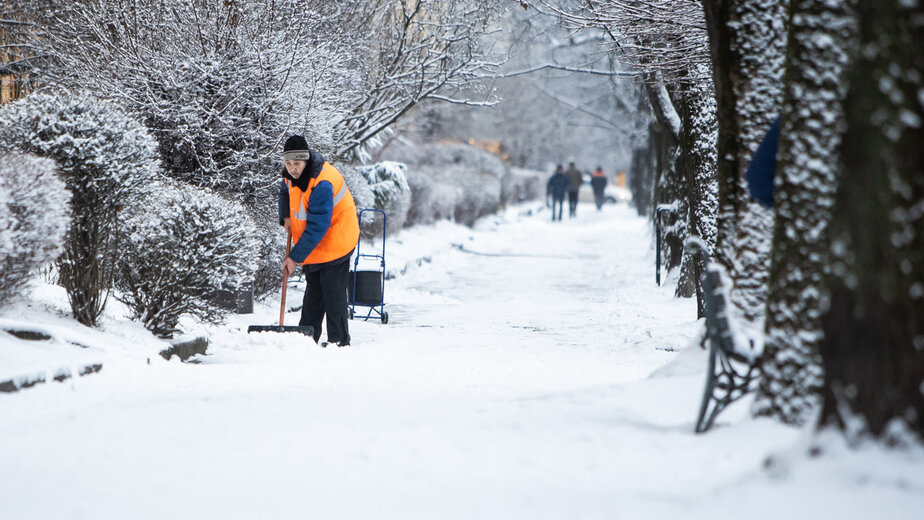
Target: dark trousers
x,y
560,202
572,203
326,293
598,198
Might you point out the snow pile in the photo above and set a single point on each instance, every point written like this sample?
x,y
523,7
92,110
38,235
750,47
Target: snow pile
x,y
183,245
29,188
61,348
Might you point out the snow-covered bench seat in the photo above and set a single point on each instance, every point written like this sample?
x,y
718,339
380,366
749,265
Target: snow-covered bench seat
x,y
732,369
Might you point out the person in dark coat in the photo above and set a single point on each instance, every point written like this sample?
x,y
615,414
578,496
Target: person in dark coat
x,y
598,183
762,168
574,175
558,185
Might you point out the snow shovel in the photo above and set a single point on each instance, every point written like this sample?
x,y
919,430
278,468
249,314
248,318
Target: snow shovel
x,y
307,330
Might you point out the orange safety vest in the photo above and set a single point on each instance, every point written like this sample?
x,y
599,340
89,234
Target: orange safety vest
x,y
343,234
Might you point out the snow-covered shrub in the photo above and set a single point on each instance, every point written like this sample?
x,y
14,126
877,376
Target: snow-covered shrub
x,y
359,186
106,159
391,194
523,185
29,192
271,238
440,155
481,195
433,197
473,182
183,245
219,104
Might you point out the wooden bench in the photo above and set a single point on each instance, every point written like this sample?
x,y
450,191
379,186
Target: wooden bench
x,y
730,374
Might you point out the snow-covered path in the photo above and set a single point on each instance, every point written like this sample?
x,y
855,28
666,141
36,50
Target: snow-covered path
x,y
528,371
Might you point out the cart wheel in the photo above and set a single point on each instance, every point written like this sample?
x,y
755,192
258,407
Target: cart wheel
x,y
384,318
350,311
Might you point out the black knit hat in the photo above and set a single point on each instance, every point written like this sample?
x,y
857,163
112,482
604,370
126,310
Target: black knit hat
x,y
296,148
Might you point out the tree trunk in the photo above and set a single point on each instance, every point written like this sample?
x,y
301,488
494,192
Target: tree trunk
x,y
686,282
644,161
761,46
670,185
698,159
747,41
639,169
728,166
813,121
873,349
643,183
85,268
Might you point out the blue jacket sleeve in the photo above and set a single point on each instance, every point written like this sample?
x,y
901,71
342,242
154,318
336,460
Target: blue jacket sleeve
x,y
283,202
761,171
320,212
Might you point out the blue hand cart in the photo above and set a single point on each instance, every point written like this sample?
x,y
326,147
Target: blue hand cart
x,y
367,287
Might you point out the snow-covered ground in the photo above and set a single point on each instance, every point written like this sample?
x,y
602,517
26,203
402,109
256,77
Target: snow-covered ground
x,y
529,370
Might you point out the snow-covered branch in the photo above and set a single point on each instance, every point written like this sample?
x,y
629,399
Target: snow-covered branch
x,y
426,50
664,36
552,66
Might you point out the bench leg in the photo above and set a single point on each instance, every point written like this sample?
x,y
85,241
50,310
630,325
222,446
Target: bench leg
x,y
702,422
723,387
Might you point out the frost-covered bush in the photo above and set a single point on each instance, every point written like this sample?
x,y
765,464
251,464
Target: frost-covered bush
x,y
271,237
29,192
221,84
439,155
391,194
182,246
454,180
106,159
220,103
523,185
433,197
453,192
359,186
481,195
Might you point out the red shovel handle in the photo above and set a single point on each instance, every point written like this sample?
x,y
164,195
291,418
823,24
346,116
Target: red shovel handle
x,y
285,283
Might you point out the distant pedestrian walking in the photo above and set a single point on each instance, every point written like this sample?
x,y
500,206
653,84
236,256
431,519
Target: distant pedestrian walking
x,y
598,183
574,175
558,185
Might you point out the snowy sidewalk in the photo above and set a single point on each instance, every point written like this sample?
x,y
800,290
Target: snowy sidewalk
x,y
529,370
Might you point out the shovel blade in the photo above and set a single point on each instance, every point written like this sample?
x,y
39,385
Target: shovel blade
x,y
307,330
